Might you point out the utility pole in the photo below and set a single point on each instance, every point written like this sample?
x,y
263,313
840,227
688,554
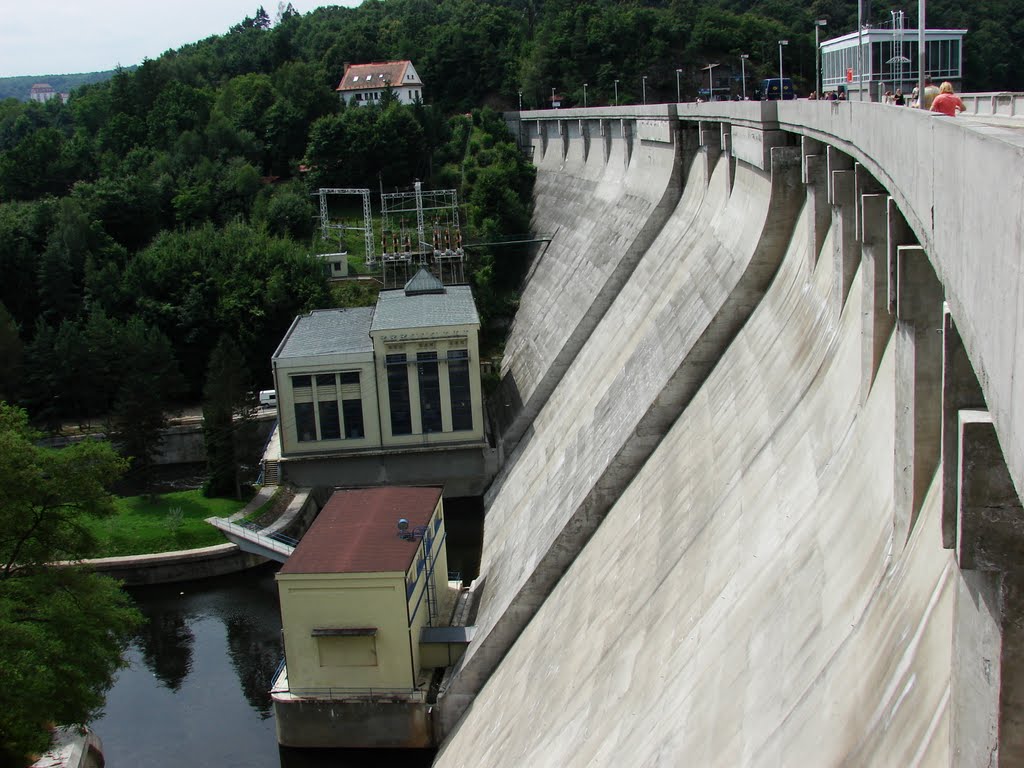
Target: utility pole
x,y
922,56
781,44
818,24
711,81
743,72
678,72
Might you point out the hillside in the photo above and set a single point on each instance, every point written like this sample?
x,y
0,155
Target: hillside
x,y
18,87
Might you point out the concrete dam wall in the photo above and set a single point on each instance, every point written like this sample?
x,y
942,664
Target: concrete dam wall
x,y
758,506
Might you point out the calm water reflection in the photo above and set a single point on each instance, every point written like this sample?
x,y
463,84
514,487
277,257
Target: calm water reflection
x,y
196,690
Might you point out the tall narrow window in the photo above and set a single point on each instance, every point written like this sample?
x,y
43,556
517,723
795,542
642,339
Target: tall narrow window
x,y
458,384
398,395
330,426
327,406
305,418
352,405
305,422
430,391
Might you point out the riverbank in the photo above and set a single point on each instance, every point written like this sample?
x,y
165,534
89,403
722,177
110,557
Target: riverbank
x,y
73,747
188,564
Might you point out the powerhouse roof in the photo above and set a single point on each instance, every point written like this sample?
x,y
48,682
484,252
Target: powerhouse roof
x,y
328,331
399,309
357,531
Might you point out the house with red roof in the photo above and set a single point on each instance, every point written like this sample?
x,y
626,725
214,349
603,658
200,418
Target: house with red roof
x,y
364,84
365,607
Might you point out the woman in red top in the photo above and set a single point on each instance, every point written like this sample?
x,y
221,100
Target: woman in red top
x,y
947,102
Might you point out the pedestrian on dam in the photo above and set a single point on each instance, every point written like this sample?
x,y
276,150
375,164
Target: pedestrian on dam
x,y
947,102
929,94
898,99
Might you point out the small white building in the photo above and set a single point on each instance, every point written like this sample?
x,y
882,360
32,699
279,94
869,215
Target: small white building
x,y
365,84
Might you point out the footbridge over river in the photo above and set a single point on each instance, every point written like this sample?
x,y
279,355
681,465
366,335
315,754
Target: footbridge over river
x,y
763,418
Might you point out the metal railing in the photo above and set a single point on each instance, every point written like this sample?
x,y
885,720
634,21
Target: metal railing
x,y
275,542
341,694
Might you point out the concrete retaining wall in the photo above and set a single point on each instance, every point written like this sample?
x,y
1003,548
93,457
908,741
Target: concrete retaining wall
x,y
463,471
687,298
740,604
353,724
728,544
171,567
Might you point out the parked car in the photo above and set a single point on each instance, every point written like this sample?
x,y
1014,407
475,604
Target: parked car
x,y
772,89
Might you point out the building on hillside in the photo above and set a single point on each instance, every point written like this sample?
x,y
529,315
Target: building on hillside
x,y
890,59
390,392
365,608
43,92
364,84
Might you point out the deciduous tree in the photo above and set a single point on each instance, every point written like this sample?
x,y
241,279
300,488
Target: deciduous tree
x,y
62,629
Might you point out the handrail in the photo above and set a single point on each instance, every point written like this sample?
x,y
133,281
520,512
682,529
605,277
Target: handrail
x,y
275,542
411,694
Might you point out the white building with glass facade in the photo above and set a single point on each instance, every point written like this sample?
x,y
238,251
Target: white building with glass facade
x,y
394,382
889,61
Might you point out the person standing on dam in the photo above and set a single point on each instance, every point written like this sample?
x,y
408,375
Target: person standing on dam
x,y
947,102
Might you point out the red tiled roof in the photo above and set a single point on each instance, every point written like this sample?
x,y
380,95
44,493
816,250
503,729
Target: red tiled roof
x,y
356,531
360,77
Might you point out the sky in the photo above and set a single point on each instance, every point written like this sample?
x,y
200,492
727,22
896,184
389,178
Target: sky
x,y
57,37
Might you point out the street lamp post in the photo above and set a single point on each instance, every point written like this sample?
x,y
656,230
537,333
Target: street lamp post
x,y
781,43
743,72
818,24
711,81
520,101
643,85
552,98
584,95
922,56
678,72
616,93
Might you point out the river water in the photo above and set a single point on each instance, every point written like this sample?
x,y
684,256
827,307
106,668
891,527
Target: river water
x,y
195,692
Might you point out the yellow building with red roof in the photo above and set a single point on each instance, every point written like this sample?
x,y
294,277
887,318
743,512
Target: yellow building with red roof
x,y
359,596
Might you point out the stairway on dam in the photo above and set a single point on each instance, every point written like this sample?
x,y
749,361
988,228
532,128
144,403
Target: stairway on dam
x,y
724,534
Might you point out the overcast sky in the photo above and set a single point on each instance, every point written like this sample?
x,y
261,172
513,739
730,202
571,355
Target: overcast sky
x,y
56,37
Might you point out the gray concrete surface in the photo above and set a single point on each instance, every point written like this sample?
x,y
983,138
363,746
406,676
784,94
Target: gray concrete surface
x,y
741,605
605,211
767,579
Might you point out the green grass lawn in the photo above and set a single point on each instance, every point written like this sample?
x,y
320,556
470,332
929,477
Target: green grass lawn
x,y
163,523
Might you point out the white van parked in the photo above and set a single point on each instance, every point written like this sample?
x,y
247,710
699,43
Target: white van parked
x,y
268,398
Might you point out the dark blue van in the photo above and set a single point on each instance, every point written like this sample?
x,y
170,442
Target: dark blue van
x,y
770,90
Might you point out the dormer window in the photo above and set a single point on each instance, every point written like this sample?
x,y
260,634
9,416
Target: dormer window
x,y
355,79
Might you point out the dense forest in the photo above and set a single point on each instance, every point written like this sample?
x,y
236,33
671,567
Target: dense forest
x,y
164,209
